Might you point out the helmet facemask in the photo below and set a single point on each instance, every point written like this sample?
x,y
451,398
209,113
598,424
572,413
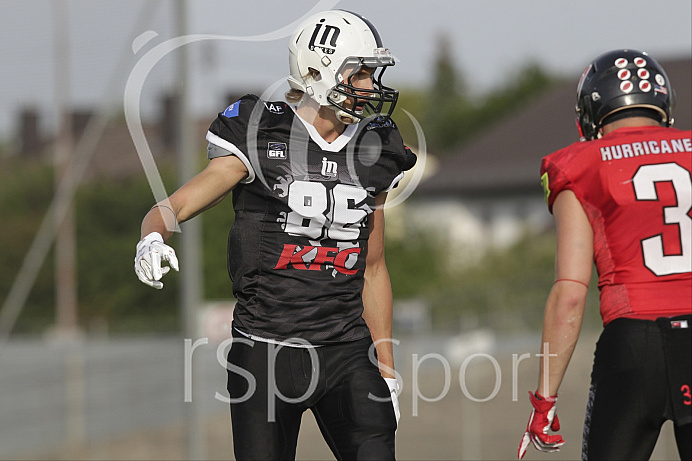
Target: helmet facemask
x,y
378,101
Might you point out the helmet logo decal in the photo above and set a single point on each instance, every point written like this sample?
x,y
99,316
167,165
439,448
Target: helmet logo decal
x,y
660,89
660,80
583,77
327,43
624,74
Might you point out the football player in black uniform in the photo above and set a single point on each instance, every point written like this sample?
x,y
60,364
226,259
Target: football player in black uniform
x,y
312,323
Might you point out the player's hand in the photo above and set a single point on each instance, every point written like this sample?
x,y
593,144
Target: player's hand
x,y
393,385
150,252
543,418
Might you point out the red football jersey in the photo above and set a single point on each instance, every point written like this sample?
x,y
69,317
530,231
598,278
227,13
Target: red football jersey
x,y
636,188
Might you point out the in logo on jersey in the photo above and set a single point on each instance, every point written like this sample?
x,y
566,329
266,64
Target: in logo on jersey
x,y
327,41
329,168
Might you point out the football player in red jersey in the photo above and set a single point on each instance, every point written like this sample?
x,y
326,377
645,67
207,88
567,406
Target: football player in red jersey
x,y
309,178
621,198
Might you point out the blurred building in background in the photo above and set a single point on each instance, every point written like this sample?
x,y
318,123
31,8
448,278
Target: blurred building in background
x,y
487,195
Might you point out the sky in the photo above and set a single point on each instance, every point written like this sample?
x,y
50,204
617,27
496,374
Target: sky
x,y
491,41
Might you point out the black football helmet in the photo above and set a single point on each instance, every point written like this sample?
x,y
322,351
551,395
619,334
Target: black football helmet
x,y
619,80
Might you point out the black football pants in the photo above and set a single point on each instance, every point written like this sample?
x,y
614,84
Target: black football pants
x,y
630,396
271,386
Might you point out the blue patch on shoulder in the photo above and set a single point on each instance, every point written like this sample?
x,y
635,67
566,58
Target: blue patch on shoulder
x,y
232,110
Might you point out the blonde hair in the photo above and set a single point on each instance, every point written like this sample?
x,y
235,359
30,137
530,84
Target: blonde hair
x,y
294,95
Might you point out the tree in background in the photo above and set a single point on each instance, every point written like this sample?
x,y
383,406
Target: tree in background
x,y
450,117
447,99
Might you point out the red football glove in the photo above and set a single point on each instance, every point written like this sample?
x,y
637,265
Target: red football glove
x,y
542,418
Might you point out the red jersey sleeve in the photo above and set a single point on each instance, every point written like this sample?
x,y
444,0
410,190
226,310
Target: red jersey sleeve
x,y
554,177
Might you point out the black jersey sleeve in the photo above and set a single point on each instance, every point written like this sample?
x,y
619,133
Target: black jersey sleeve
x,y
406,160
227,134
395,157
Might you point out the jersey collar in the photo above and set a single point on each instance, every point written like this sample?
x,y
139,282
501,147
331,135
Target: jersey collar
x,y
335,146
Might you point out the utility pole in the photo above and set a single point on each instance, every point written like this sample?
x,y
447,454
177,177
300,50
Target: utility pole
x,y
66,301
191,238
65,241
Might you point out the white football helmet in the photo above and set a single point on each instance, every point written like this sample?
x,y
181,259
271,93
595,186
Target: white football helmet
x,y
326,50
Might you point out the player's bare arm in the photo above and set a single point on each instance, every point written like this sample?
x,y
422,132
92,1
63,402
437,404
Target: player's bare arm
x,y
203,191
200,193
377,291
377,301
564,310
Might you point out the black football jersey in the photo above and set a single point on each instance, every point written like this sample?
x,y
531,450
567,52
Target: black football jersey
x,y
297,248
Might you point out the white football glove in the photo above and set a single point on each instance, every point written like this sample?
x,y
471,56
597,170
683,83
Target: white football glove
x,y
393,385
150,252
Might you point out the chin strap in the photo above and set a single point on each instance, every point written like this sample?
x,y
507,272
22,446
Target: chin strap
x,y
345,118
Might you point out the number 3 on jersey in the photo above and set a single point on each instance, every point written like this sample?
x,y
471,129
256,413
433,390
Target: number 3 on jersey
x,y
313,207
644,182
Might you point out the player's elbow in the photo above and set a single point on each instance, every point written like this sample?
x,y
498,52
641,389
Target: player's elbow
x,y
570,304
